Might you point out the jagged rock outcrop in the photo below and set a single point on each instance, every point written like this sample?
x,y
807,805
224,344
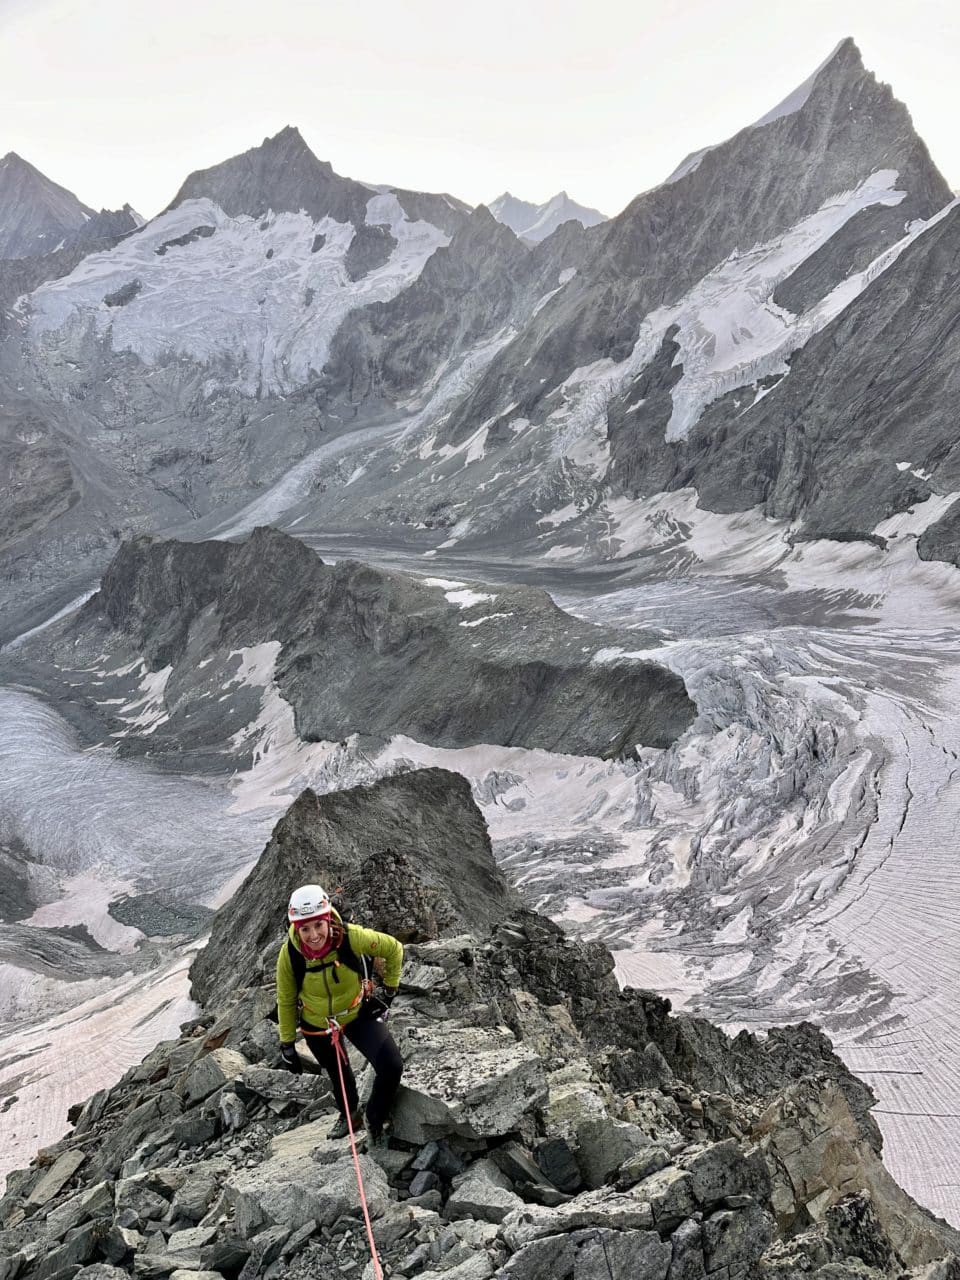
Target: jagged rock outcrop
x,y
512,1152
411,853
362,650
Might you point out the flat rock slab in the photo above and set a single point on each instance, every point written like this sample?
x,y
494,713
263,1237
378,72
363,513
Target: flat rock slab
x,y
210,1073
603,1144
264,1082
618,1210
95,1202
302,1142
286,1191
56,1177
476,1084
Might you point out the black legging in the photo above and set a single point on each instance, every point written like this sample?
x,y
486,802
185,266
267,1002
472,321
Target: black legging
x,y
379,1048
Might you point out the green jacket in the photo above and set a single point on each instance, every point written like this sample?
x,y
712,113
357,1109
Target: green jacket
x,y
330,987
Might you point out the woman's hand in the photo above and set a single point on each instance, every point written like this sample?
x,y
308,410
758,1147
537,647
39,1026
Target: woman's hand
x,y
290,1059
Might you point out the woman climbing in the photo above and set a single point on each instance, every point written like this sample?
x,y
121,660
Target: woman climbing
x,y
325,976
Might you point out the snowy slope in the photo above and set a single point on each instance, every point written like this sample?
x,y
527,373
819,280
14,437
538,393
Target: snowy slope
x,y
729,330
257,300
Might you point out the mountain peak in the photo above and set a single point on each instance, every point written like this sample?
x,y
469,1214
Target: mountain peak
x,y
288,132
289,140
537,221
844,59
36,214
830,88
13,163
281,174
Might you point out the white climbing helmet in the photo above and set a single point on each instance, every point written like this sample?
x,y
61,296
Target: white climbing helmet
x,y
309,902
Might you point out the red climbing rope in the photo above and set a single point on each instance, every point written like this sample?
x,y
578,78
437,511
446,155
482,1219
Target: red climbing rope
x,y
341,1055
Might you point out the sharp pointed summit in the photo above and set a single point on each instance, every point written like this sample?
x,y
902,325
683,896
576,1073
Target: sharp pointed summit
x,y
36,214
281,174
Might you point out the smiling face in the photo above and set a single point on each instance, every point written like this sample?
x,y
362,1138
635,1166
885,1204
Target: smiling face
x,y
315,932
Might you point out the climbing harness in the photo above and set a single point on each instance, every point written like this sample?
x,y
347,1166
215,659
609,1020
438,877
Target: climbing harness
x,y
334,1032
328,1031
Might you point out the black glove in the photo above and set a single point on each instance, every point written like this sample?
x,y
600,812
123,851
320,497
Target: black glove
x,y
290,1059
386,997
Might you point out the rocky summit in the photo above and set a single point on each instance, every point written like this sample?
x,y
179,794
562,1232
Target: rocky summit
x,y
549,1124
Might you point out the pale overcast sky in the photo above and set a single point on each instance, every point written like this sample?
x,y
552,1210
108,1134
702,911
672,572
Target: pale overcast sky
x,y
120,99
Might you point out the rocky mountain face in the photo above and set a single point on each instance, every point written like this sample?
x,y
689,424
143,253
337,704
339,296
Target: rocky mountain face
x,y
534,222
548,1123
777,205
848,129
287,345
35,213
829,443
353,649
483,284
282,175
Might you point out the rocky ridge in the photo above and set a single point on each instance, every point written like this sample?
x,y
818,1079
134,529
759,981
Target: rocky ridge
x,y
282,175
548,1124
363,650
485,283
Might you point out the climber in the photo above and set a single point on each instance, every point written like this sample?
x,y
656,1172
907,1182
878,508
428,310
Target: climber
x,y
325,976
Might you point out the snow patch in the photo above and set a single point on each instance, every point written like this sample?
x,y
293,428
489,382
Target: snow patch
x,y
617,654
486,618
85,900
144,715
917,518
466,599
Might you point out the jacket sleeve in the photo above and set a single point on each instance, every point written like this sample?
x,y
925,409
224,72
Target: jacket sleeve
x,y
286,997
367,942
